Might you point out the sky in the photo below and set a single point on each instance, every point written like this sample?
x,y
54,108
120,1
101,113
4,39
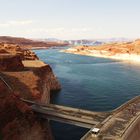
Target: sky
x,y
70,19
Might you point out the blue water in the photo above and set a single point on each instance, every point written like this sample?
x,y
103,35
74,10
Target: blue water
x,y
90,83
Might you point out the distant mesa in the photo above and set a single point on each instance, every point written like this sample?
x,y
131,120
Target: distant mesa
x,y
30,43
96,42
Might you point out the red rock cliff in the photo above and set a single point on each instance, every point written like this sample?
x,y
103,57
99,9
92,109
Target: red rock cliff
x,y
35,83
18,122
29,79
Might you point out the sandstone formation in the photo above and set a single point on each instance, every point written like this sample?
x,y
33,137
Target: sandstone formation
x,y
32,78
10,63
27,78
18,122
35,83
11,56
15,49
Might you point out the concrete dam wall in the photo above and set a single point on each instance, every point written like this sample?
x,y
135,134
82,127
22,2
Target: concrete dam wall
x,y
133,132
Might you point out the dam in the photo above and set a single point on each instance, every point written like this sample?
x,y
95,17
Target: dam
x,y
119,124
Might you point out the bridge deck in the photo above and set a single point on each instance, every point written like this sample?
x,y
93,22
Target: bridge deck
x,y
113,125
69,115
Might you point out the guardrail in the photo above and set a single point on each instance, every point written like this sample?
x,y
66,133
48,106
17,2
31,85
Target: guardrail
x,y
9,87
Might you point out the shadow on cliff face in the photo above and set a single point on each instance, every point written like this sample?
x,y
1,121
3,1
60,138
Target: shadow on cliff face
x,y
47,75
34,83
47,82
17,121
17,85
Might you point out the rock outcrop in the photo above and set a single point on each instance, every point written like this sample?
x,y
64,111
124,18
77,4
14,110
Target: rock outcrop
x,y
15,49
11,56
18,122
26,77
10,62
35,83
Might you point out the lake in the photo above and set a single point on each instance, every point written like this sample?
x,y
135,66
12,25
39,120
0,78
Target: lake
x,y
90,83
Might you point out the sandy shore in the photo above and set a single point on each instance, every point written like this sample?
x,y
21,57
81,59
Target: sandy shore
x,y
130,57
105,54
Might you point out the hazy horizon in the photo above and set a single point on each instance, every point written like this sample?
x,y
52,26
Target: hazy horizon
x,y
70,19
96,39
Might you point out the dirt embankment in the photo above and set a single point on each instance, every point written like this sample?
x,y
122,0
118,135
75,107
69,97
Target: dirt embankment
x,y
30,79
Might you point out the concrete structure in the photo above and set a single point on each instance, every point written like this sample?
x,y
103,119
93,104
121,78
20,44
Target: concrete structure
x,y
79,117
120,124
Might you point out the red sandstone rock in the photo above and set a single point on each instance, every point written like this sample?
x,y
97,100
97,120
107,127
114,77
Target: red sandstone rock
x,y
17,121
112,48
3,51
28,43
10,63
35,84
15,49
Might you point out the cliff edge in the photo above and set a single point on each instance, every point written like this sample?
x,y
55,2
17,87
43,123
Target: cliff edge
x,y
23,75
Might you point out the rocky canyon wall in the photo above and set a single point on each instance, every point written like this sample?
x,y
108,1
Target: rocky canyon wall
x,y
17,121
31,79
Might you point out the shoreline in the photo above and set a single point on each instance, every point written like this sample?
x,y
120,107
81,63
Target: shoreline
x,y
45,48
119,56
38,48
123,57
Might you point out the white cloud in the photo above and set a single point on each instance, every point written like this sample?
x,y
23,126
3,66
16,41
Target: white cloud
x,y
20,22
60,30
16,23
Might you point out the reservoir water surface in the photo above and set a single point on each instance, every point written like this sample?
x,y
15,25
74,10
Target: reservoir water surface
x,y
89,83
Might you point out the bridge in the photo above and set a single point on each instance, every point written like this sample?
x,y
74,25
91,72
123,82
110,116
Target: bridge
x,y
78,117
114,125
118,124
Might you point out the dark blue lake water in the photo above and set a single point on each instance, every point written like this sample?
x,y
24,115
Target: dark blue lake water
x,y
90,83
